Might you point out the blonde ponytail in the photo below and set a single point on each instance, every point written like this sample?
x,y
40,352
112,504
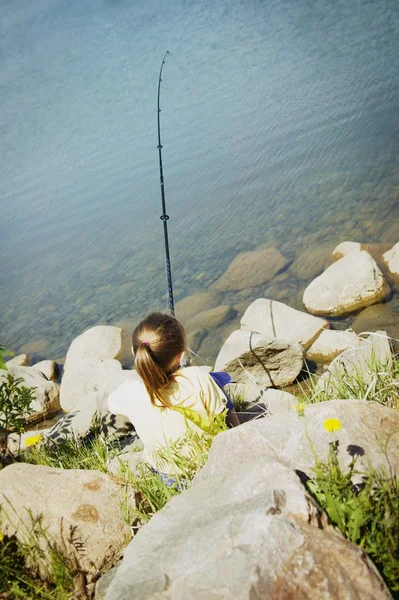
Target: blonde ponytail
x,y
157,343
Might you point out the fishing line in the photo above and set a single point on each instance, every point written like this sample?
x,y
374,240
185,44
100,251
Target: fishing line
x,y
164,217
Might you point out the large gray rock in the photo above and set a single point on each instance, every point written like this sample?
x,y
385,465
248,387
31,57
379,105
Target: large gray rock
x,y
47,393
350,283
244,535
251,269
249,356
79,511
286,437
102,342
331,343
392,259
361,362
275,319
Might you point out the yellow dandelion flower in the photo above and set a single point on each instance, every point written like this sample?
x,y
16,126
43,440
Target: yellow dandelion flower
x,y
35,439
1,537
300,408
332,424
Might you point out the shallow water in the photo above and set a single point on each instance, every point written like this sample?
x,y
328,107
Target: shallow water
x,y
280,127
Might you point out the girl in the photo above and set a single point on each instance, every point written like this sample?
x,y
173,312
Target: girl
x,y
166,400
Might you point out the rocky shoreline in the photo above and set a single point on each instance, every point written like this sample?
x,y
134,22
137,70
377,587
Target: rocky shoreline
x,y
248,492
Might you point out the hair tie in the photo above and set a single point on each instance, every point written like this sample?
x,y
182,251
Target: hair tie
x,y
146,344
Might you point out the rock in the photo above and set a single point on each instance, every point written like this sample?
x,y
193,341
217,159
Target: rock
x,y
192,305
18,443
88,377
277,401
48,368
209,319
392,260
311,262
350,283
270,361
98,343
21,360
384,316
250,269
345,248
361,362
282,436
47,392
103,584
330,343
275,319
268,400
195,338
80,512
243,536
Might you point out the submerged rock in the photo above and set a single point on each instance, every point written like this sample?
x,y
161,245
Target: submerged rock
x,y
271,362
193,305
214,317
311,262
350,283
391,258
384,316
251,269
331,343
79,512
275,319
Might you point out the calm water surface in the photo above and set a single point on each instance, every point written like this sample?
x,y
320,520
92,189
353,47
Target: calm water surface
x,y
280,127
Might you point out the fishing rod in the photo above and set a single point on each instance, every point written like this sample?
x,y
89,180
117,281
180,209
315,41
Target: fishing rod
x,y
164,216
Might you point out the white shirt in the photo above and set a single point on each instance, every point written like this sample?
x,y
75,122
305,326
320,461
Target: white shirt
x,y
157,427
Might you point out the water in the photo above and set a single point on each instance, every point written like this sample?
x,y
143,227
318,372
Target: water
x,y
280,127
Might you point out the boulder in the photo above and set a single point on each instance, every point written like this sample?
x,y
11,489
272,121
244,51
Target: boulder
x,y
103,583
287,437
87,377
192,305
311,262
47,392
209,319
48,368
275,319
331,343
361,362
392,260
350,283
251,269
98,343
269,400
251,534
277,401
78,512
21,360
249,356
345,248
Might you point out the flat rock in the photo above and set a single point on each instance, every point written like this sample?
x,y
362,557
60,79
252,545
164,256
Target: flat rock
x,y
249,356
345,248
251,269
352,282
360,362
275,319
80,511
243,536
196,303
331,343
21,360
283,437
209,319
47,392
391,258
48,368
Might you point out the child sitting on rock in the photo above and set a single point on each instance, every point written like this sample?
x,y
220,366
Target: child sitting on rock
x,y
167,400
